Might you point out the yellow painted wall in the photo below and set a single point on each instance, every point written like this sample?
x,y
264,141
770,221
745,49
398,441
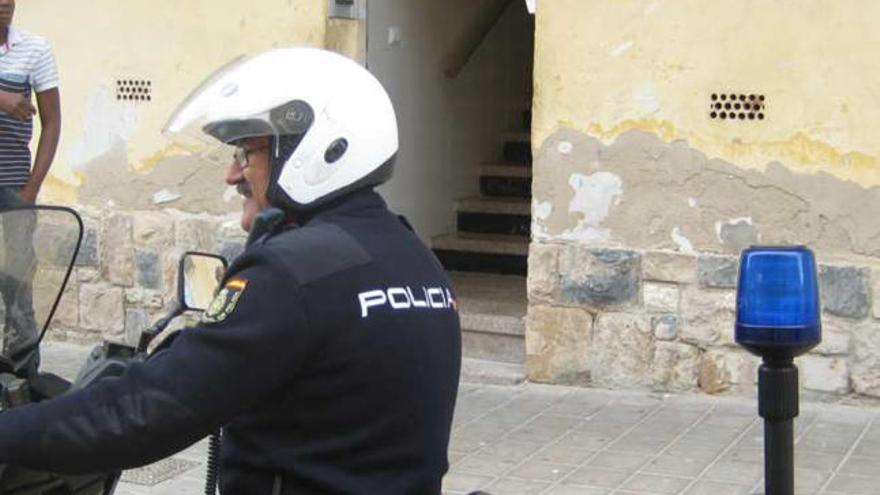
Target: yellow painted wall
x,y
176,44
348,37
608,66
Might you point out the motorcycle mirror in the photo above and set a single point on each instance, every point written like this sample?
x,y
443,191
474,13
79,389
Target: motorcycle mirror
x,y
41,246
199,275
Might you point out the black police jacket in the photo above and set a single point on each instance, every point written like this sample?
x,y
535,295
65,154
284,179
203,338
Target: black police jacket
x,y
330,358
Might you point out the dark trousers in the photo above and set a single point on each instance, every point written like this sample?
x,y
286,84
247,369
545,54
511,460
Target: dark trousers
x,y
16,283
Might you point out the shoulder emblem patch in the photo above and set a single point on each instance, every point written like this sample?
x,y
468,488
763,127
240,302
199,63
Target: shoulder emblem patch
x,y
225,301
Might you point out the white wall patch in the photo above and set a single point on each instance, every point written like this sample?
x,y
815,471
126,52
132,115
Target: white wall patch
x,y
542,209
107,124
594,195
565,148
620,49
645,99
650,9
165,196
539,232
692,202
684,245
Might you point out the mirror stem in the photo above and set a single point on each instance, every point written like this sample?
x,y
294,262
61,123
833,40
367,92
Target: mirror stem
x,y
150,333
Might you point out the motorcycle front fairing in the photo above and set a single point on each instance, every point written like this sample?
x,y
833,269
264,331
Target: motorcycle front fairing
x,y
38,248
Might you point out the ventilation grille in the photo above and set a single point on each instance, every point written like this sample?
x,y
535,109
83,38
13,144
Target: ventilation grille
x,y
737,106
140,90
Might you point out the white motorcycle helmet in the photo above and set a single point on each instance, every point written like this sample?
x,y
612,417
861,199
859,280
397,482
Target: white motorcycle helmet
x,y
332,124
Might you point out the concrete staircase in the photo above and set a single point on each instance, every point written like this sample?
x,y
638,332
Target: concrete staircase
x,y
493,229
487,258
492,310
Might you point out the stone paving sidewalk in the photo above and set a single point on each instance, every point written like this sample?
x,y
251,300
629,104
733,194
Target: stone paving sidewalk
x,y
534,439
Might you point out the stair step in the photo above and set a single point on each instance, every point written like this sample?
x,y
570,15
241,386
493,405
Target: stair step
x,y
500,348
496,206
491,372
491,303
483,243
484,253
506,187
492,309
511,326
493,223
507,180
507,291
483,262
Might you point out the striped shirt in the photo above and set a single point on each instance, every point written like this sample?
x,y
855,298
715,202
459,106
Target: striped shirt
x,y
26,64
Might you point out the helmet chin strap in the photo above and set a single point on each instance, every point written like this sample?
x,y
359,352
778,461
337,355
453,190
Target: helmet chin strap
x,y
265,222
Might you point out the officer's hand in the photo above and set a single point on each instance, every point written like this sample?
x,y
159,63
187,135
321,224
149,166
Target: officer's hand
x,y
16,105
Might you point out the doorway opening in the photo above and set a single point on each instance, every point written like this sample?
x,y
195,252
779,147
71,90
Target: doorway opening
x,y
460,75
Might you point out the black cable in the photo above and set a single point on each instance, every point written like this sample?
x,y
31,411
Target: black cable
x,y
213,466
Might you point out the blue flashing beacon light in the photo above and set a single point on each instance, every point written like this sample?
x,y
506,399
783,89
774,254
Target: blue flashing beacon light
x,y
777,314
778,318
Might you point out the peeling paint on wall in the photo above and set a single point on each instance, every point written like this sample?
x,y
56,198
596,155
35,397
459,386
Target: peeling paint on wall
x,y
599,69
673,186
191,182
810,155
594,195
123,139
684,245
165,196
541,210
737,234
107,124
733,222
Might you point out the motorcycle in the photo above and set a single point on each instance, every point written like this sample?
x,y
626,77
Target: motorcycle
x,y
39,249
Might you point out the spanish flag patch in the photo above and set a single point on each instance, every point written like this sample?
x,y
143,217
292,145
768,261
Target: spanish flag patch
x,y
225,301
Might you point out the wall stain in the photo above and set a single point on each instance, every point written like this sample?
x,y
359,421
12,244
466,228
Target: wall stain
x,y
148,163
663,180
198,179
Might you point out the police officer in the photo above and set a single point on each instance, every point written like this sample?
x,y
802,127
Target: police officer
x,y
331,355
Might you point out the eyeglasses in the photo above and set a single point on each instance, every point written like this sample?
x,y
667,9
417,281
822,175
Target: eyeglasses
x,y
241,154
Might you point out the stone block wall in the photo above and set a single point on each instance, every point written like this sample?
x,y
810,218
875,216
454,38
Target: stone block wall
x,y
125,276
664,320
